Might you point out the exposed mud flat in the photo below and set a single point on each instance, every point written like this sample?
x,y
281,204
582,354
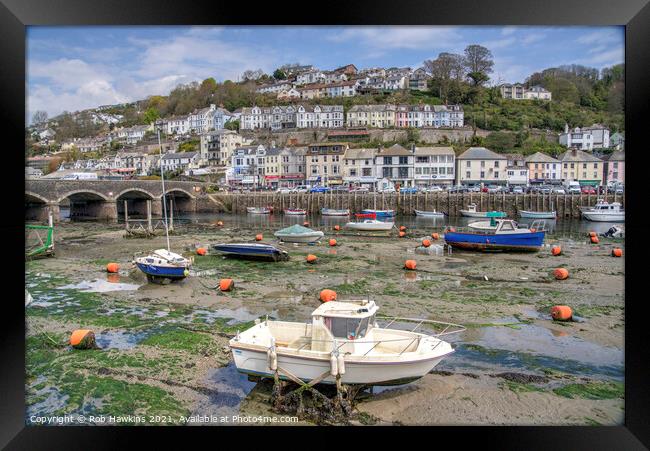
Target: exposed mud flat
x,y
167,345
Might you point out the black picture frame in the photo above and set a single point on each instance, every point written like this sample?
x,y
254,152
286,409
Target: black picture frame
x,y
15,15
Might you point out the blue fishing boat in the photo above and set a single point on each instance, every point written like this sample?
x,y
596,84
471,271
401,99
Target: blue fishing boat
x,y
251,251
380,213
507,236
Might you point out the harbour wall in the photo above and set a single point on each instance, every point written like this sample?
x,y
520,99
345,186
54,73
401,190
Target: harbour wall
x,y
567,205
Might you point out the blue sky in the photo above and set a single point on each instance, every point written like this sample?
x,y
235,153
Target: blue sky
x,y
74,68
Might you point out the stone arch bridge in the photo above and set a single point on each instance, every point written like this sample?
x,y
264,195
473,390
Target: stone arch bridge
x,y
106,199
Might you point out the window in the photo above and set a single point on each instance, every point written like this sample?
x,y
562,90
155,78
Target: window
x,y
595,165
366,172
482,164
496,174
496,164
482,174
388,160
595,175
349,328
468,175
584,165
572,165
418,171
615,165
335,169
403,160
403,172
387,172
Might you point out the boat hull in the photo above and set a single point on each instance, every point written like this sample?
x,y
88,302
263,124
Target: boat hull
x,y
330,212
308,368
306,238
429,214
178,272
258,211
475,214
514,242
537,214
380,213
295,212
606,217
250,252
383,226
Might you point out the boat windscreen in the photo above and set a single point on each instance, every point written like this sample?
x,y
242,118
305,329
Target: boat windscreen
x,y
349,328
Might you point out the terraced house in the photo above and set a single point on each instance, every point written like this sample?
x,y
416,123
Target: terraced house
x,y
437,116
478,165
324,163
273,118
434,166
319,116
543,168
381,116
395,163
359,167
582,167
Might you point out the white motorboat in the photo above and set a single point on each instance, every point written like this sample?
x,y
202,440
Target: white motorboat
x,y
333,212
370,225
163,264
472,213
429,214
259,210
295,212
343,340
299,234
605,212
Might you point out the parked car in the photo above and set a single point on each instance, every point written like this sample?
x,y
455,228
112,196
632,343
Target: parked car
x,y
456,189
588,190
544,190
558,190
491,189
432,189
319,189
409,190
301,189
340,189
285,190
360,189
517,190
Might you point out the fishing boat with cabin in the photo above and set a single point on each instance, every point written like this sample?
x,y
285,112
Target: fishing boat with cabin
x,y
604,212
429,214
369,223
380,213
343,341
506,236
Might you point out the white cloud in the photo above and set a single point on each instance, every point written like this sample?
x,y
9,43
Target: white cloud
x,y
410,37
607,36
507,31
605,58
533,37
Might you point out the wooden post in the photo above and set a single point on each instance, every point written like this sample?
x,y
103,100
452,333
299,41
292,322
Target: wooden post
x,y
149,228
171,213
126,214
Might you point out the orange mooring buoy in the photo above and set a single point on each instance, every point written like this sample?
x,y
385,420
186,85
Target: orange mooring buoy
x,y
410,264
327,295
226,284
112,267
402,234
556,250
435,236
561,273
337,227
561,313
83,339
617,252
594,240
332,242
201,251
426,243
311,258
259,237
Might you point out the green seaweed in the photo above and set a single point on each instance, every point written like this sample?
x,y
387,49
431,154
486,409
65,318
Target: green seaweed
x,y
592,390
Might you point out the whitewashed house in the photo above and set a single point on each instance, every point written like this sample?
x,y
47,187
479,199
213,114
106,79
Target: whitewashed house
x,y
275,88
319,116
308,77
434,166
180,161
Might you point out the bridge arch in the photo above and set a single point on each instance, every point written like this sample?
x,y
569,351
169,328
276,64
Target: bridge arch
x,y
143,193
135,202
36,207
35,198
84,194
179,200
88,204
179,190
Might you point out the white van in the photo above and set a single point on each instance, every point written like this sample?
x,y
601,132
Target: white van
x,y
573,187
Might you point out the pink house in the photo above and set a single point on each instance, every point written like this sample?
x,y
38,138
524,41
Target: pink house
x,y
615,167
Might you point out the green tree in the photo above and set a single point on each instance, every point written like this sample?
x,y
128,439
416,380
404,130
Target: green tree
x,y
478,63
232,125
279,74
151,115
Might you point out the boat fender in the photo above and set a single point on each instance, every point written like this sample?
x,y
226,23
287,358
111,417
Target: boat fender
x,y
272,356
334,367
340,362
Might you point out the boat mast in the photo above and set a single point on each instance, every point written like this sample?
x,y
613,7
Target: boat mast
x,y
162,178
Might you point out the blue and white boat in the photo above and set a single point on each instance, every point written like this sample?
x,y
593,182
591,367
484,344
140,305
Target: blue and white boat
x,y
251,250
163,264
380,213
507,236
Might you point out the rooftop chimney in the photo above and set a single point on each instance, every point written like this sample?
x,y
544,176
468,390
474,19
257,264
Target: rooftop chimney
x,y
413,148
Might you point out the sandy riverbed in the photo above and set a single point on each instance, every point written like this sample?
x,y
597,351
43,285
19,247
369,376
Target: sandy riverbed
x,y
503,299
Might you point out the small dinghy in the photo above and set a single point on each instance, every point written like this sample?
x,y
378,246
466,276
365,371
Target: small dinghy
x,y
343,339
163,264
333,212
380,213
429,214
251,251
370,225
471,212
259,210
299,234
507,236
295,212
538,214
